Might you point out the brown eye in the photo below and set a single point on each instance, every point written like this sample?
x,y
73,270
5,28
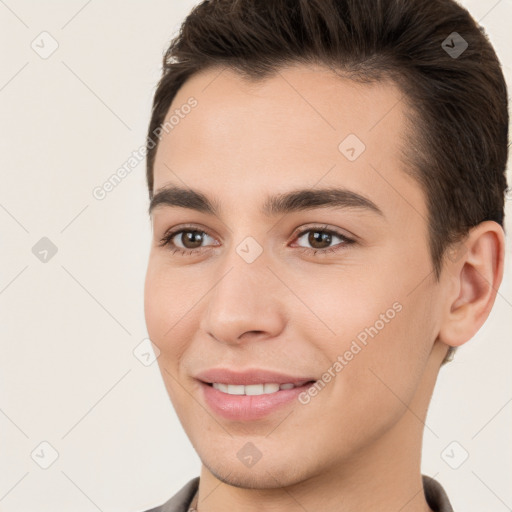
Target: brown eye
x,y
190,239
319,239
183,240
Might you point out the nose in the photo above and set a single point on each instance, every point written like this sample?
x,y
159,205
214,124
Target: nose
x,y
246,302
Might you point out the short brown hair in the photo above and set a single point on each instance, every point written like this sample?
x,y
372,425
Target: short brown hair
x,y
457,146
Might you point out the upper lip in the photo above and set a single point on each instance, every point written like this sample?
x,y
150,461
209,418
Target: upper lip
x,y
250,376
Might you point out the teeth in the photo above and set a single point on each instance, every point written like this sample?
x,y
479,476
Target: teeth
x,y
252,389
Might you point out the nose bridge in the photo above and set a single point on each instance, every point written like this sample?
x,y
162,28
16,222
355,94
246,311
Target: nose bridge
x,y
243,297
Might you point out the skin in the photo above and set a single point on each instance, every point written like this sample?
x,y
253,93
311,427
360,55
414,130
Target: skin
x,y
357,444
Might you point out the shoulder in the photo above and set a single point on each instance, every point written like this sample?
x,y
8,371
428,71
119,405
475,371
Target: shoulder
x,y
435,495
181,500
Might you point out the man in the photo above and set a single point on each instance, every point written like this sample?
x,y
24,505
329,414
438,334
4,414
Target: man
x,y
327,187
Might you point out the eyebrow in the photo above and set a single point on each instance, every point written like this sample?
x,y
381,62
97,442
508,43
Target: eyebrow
x,y
293,201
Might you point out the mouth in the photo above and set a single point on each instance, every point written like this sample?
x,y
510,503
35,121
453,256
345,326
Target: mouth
x,y
246,403
250,395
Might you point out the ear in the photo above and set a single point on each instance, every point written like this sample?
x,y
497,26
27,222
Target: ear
x,y
474,271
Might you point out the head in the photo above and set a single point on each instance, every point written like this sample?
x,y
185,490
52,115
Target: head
x,y
275,104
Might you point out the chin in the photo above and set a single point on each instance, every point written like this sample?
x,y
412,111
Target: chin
x,y
272,471
251,478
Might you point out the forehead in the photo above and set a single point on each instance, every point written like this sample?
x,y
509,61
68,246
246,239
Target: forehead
x,y
303,126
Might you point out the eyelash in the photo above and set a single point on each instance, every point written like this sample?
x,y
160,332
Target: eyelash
x,y
166,240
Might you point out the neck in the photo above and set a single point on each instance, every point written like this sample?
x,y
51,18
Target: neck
x,y
384,476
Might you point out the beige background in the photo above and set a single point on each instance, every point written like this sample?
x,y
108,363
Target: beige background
x,y
68,374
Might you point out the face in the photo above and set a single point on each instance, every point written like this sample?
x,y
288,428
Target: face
x,y
335,291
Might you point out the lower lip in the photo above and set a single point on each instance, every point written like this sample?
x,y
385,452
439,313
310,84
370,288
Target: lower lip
x,y
249,407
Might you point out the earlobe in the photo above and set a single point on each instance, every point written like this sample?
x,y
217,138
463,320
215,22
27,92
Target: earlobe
x,y
474,281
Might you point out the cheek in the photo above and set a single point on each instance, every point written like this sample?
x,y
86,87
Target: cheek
x,y
166,304
382,333
163,307
386,373
346,305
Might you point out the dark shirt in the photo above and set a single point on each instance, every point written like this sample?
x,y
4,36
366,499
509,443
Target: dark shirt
x,y
435,496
